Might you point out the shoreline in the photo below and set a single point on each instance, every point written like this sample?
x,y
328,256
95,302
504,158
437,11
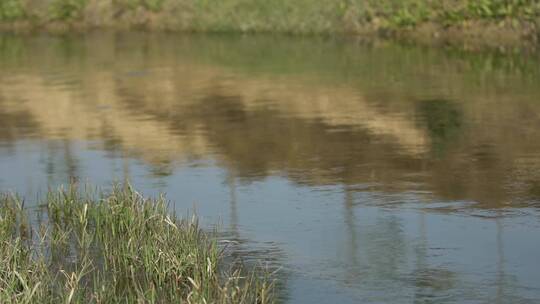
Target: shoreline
x,y
476,35
467,23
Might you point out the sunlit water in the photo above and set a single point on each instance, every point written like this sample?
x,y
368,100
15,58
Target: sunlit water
x,y
369,172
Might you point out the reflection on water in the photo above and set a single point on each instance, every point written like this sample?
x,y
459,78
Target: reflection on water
x,y
370,172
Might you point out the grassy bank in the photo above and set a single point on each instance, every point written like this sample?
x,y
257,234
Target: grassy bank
x,y
504,20
115,248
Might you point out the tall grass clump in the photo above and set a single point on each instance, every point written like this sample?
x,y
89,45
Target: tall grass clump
x,y
114,248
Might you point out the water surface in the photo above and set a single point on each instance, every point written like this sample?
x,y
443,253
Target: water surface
x,y
369,172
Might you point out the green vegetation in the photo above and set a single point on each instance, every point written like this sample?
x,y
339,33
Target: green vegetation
x,y
299,16
11,10
67,9
115,248
412,12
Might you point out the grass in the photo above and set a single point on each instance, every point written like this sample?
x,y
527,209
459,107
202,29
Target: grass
x,y
299,16
11,10
114,248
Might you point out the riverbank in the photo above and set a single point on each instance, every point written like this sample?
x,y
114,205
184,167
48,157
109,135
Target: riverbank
x,y
119,247
486,22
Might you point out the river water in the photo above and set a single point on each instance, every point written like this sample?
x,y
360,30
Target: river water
x,y
367,172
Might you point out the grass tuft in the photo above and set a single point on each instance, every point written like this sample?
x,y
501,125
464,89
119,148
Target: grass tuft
x,y
114,248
